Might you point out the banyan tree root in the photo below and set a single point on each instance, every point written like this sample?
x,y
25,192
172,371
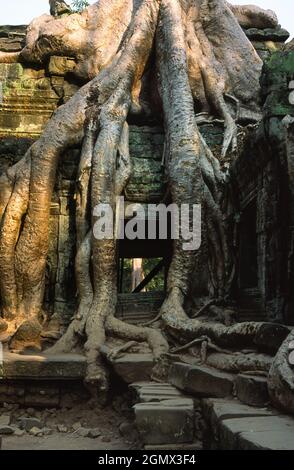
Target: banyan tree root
x,y
250,16
106,184
264,336
201,56
281,377
235,363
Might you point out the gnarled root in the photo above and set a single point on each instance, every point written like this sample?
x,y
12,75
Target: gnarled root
x,y
153,337
110,170
281,377
14,207
264,336
251,16
9,57
240,362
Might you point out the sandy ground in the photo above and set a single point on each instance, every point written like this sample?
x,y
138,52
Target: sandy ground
x,y
60,442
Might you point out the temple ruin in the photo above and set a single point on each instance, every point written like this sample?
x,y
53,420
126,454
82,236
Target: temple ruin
x,y
185,102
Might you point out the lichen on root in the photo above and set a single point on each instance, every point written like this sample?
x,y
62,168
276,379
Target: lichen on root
x,y
281,377
165,57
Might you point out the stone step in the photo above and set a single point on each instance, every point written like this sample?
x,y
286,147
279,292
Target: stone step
x,y
137,318
215,410
252,390
257,433
165,422
164,417
201,381
131,367
232,425
147,392
139,307
42,381
138,385
42,366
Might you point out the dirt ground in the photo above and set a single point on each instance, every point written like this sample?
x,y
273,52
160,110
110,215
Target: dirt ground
x,y
60,442
82,427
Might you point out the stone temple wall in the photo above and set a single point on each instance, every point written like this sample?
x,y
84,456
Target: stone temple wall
x,y
31,94
263,179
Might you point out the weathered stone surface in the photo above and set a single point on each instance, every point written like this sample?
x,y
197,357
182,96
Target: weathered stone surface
x,y
12,38
263,177
267,440
46,392
215,411
94,433
5,420
29,423
29,333
155,392
47,431
67,366
11,394
268,34
146,150
60,66
36,431
11,71
61,428
42,395
6,430
83,432
147,182
137,386
126,429
19,432
201,380
77,426
232,430
167,422
3,325
28,101
142,306
132,367
252,390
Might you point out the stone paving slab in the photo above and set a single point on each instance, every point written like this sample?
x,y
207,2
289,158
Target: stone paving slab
x,y
267,432
252,390
269,440
166,422
132,367
233,426
42,366
155,392
216,409
201,380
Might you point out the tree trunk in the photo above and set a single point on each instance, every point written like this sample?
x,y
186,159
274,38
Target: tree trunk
x,y
166,57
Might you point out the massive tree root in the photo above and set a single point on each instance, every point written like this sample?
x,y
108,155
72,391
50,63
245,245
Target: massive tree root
x,y
281,376
201,57
195,177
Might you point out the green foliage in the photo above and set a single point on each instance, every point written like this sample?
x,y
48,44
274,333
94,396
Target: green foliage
x,y
156,284
79,5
